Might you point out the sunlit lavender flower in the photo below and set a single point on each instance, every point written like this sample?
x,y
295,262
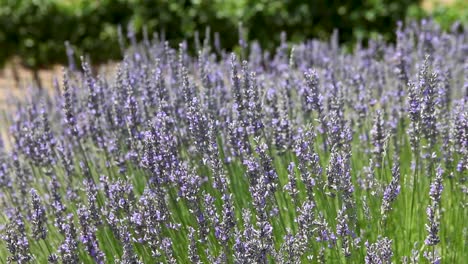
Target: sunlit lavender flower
x,y
392,190
254,113
291,250
166,247
432,257
342,230
414,110
379,252
461,135
428,82
16,240
433,213
88,236
38,217
291,186
220,159
68,250
70,118
314,101
323,232
305,219
378,136
192,249
129,256
53,258
309,161
435,192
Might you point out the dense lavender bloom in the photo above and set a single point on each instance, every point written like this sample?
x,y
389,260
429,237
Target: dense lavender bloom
x,y
427,84
93,93
38,217
148,219
433,214
220,159
309,161
224,227
369,181
436,186
342,230
91,193
291,186
414,110
305,220
392,190
433,257
129,256
70,118
131,111
291,250
269,172
220,181
257,240
339,176
53,258
166,247
432,227
192,249
378,136
323,232
88,236
280,122
254,113
236,86
16,240
461,127
314,102
5,180
69,248
379,252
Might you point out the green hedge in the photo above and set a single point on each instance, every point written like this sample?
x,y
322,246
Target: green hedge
x,y
35,30
446,15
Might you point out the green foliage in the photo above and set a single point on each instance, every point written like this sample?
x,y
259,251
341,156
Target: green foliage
x,y
35,30
446,15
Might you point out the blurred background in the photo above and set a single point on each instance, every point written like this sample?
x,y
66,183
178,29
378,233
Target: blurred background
x,y
33,33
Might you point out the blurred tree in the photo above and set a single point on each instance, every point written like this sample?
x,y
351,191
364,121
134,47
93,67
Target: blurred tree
x,y
35,30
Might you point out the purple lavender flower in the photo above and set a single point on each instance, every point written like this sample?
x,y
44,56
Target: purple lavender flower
x,y
68,250
414,110
392,190
314,101
38,217
378,136
428,82
88,236
343,231
379,252
16,240
433,213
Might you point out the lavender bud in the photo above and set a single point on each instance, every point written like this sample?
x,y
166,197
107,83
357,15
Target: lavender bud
x,y
38,217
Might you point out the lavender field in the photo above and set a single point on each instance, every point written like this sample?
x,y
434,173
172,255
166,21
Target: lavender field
x,y
314,154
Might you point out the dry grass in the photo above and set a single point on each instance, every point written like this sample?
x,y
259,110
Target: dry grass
x,y
12,89
429,5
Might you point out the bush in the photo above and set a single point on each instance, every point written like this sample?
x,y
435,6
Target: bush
x,y
36,30
447,15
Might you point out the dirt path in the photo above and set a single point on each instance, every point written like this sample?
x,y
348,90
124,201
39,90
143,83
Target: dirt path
x,y
9,87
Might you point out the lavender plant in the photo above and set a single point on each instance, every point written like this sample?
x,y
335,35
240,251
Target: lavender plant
x,y
308,155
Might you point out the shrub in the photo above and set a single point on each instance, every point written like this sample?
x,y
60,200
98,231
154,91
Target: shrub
x,y
36,30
